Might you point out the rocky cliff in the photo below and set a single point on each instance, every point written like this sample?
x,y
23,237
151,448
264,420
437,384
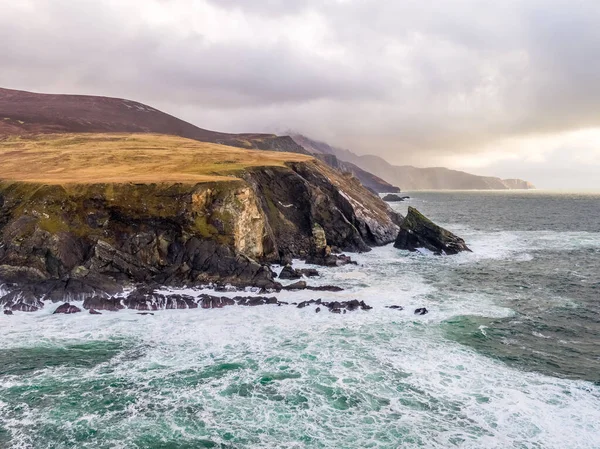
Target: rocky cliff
x,y
87,237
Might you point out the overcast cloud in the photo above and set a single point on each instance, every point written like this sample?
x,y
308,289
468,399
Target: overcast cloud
x,y
507,88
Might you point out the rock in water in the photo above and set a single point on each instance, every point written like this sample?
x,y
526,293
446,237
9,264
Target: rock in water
x,y
421,311
417,231
289,273
67,308
392,197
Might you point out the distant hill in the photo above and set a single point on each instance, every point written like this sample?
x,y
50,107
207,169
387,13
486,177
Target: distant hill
x,y
414,178
27,113
323,151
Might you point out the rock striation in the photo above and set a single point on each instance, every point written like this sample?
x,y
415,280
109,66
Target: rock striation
x,y
417,231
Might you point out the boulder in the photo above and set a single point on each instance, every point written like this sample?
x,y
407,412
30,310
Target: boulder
x,y
94,312
417,231
289,273
67,308
308,272
8,312
421,311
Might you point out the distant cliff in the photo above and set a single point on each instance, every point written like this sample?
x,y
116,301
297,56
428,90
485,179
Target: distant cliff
x,y
413,178
323,151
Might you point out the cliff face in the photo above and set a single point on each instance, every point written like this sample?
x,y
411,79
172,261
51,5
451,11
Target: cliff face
x,y
518,184
108,234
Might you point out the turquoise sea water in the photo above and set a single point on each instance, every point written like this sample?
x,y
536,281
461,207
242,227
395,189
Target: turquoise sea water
x,y
508,357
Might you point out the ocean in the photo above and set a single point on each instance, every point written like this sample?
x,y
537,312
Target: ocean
x,y
507,357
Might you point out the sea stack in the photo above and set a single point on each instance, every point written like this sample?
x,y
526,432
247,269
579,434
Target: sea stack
x,y
418,231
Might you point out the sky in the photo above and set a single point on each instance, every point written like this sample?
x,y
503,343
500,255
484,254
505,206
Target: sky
x,y
507,88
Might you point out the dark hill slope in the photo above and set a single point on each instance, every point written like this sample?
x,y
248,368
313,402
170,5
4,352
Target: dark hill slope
x,y
32,113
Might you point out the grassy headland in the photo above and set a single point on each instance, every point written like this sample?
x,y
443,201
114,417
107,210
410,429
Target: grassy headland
x,y
127,158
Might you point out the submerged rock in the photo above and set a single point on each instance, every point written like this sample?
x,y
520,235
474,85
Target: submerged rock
x,y
94,312
308,272
67,308
395,307
417,231
325,288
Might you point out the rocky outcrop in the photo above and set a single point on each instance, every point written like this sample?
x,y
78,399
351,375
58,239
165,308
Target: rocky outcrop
x,y
289,273
417,231
392,197
67,309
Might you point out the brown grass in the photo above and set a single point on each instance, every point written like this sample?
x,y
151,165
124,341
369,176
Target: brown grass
x,y
127,158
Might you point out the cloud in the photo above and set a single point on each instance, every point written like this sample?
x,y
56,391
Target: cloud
x,y
415,82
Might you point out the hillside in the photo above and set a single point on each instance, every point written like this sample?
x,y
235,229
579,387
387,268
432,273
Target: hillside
x,y
32,113
415,178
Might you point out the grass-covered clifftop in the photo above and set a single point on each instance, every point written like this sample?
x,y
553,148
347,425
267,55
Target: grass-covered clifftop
x,y
127,158
152,208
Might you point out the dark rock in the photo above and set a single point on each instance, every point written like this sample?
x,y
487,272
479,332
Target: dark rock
x,y
67,308
392,197
258,301
330,260
8,312
102,303
395,307
353,305
145,313
22,300
417,231
421,311
308,272
317,310
335,310
94,312
289,273
326,288
365,306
